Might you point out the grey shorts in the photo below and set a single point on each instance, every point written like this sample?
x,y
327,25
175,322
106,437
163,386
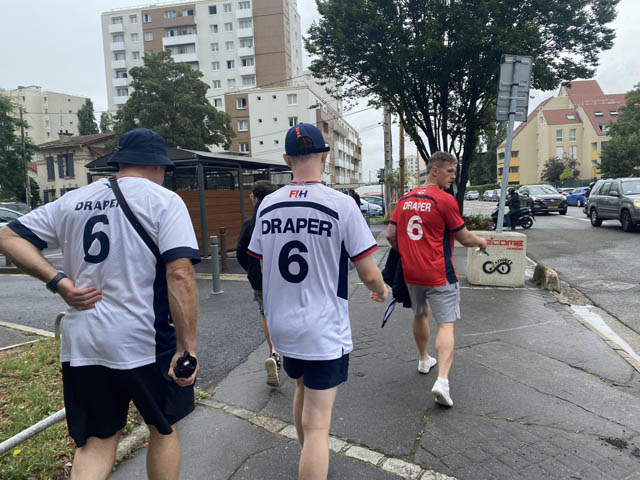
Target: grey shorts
x,y
443,301
257,296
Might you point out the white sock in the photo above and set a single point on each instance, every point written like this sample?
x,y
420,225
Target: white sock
x,y
443,381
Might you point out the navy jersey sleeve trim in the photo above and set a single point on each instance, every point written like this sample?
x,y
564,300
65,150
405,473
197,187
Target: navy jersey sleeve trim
x,y
415,195
27,234
364,253
393,222
314,205
459,228
254,255
181,252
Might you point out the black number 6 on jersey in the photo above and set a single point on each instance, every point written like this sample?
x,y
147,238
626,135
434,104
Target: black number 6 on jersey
x,y
285,260
89,237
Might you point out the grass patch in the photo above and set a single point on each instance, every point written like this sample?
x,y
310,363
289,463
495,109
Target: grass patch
x,y
31,390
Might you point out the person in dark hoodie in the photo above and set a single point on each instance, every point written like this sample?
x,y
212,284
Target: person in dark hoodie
x,y
260,189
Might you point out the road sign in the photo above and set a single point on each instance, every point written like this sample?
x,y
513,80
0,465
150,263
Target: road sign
x,y
515,71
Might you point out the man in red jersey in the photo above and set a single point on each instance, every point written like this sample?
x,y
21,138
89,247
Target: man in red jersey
x,y
422,229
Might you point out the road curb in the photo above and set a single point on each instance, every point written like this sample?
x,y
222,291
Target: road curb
x,y
10,270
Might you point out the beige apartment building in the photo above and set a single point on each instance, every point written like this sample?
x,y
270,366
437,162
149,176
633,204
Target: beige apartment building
x,y
236,44
47,113
573,124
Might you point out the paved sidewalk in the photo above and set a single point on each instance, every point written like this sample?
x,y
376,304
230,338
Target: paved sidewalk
x,y
536,395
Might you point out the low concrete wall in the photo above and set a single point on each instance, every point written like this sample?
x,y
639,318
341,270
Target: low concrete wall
x,y
504,266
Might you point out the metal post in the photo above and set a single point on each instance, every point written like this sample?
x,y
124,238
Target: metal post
x,y
215,266
203,210
223,250
31,431
507,154
27,185
241,188
366,216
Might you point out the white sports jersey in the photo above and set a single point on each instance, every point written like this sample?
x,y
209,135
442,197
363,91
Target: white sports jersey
x,y
130,326
306,233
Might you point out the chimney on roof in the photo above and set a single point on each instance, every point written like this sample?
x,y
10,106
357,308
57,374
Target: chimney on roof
x,y
64,136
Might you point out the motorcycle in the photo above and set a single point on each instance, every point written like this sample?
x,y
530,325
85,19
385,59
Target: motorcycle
x,y
523,218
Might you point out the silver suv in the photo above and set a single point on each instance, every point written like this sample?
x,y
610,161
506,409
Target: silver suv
x,y
616,199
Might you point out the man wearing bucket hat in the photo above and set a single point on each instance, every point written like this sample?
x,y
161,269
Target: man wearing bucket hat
x,y
305,235
132,312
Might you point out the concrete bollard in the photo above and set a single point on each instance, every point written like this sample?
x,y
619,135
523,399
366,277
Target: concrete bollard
x,y
504,266
223,250
215,266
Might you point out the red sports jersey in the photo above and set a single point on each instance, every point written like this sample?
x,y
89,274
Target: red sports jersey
x,y
426,218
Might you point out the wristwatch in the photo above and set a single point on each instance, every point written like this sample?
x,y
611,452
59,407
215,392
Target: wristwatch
x,y
52,286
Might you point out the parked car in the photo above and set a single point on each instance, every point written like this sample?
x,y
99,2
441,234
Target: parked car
x,y
373,209
543,199
577,197
491,195
7,215
16,206
472,195
616,199
375,199
565,191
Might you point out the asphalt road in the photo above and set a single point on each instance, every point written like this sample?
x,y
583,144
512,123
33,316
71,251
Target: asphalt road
x,y
601,262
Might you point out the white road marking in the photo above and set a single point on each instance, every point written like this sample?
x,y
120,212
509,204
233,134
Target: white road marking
x,y
508,329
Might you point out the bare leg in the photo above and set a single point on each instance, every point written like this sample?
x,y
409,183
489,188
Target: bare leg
x,y
421,334
266,334
444,346
298,404
316,420
94,460
164,455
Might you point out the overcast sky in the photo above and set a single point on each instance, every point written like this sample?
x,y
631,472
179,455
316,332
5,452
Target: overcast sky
x,y
58,45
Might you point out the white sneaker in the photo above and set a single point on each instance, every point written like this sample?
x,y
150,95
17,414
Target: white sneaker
x,y
441,392
424,367
272,365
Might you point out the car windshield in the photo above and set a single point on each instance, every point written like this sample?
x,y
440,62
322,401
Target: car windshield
x,y
631,187
542,190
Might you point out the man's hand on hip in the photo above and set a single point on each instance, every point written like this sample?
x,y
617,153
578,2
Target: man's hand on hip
x,y
78,298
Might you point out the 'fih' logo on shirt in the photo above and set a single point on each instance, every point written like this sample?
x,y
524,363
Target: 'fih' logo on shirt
x,y
298,193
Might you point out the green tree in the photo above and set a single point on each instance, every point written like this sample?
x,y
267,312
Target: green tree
x,y
435,63
170,98
86,119
106,122
483,165
12,153
621,154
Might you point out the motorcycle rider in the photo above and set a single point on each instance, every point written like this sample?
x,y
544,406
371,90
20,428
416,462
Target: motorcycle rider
x,y
514,206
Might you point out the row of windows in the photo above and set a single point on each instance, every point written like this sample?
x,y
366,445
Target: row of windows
x,y
560,135
231,82
65,166
244,43
231,64
243,125
187,12
573,152
228,26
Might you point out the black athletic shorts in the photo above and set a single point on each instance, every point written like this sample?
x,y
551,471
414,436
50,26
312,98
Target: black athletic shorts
x,y
97,399
318,374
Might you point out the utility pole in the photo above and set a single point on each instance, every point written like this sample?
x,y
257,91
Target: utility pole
x,y
401,161
388,158
27,184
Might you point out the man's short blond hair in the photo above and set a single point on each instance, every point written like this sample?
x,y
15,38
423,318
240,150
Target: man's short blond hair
x,y
439,159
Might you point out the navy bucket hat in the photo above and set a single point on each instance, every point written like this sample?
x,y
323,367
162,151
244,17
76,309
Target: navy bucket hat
x,y
142,146
300,131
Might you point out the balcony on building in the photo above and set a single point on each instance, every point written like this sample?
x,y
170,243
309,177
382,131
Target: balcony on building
x,y
244,13
185,57
245,32
246,52
118,64
117,46
179,40
249,70
116,28
120,99
120,82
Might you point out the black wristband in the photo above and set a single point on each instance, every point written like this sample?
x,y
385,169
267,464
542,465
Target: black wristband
x,y
52,286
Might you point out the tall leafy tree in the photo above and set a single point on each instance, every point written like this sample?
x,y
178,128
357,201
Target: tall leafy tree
x,y
106,122
170,98
435,63
86,119
552,170
621,154
12,153
483,165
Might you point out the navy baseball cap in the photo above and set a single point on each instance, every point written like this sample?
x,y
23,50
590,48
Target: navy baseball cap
x,y
300,131
142,146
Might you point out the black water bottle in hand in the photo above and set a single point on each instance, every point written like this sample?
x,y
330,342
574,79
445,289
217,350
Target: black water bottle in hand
x,y
185,366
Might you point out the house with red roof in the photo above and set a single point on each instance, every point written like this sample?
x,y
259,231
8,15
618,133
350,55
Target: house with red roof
x,y
573,124
61,163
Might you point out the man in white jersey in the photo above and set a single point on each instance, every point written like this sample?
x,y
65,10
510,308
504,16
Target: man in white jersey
x,y
131,315
305,234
